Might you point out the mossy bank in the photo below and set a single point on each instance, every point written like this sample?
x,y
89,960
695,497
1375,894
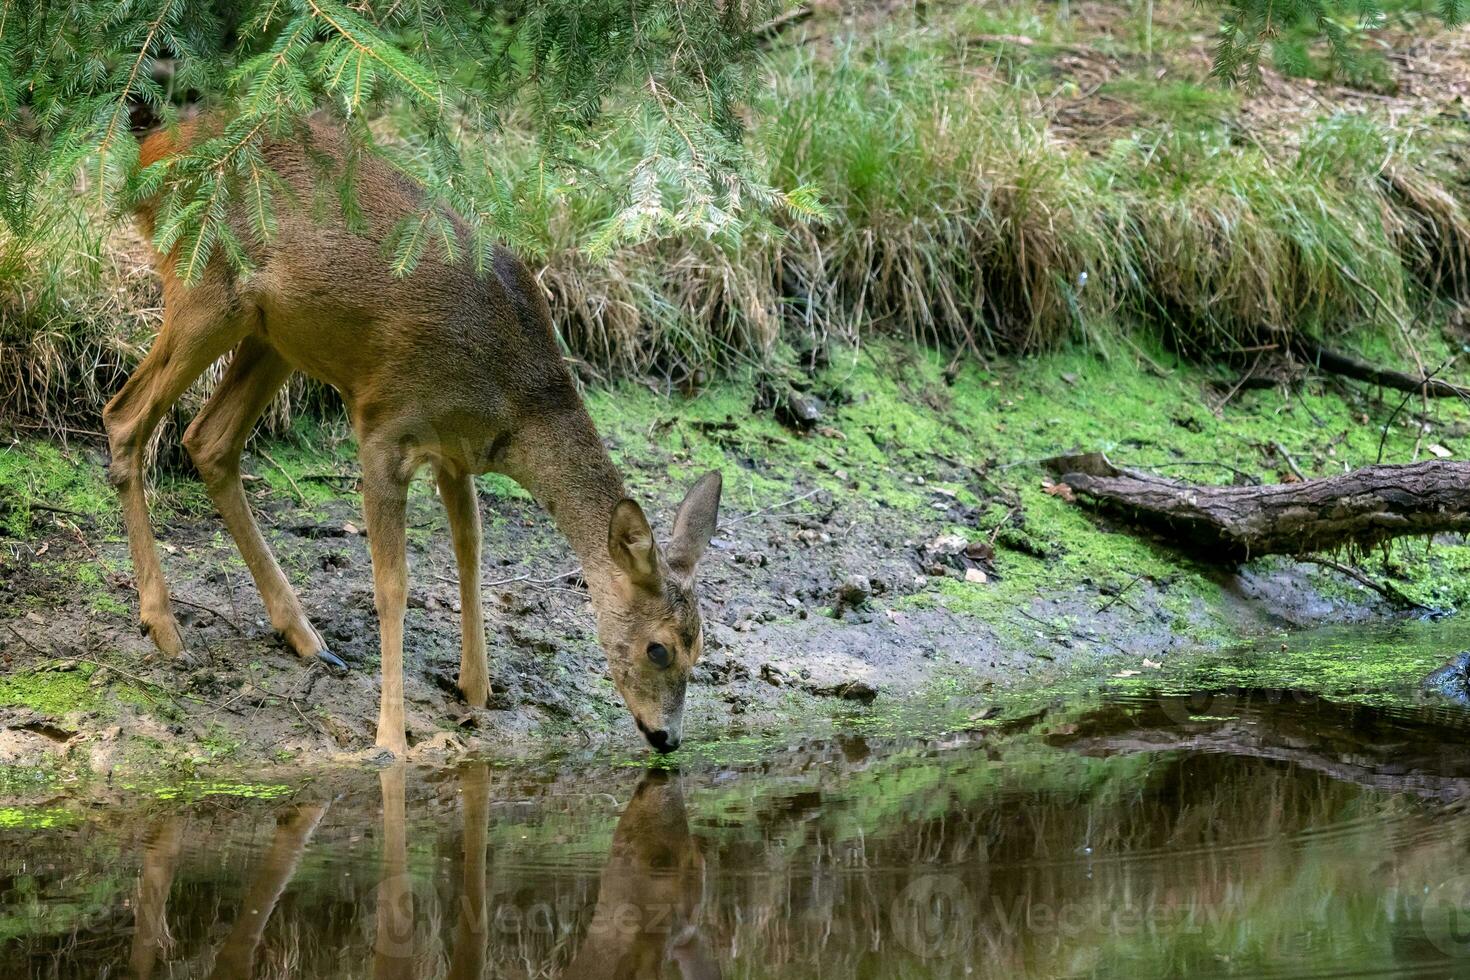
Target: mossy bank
x,y
901,547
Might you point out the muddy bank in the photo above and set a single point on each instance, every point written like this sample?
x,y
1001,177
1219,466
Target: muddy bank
x,y
901,544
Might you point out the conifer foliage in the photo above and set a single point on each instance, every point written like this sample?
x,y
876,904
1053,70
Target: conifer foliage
x,y
76,74
453,75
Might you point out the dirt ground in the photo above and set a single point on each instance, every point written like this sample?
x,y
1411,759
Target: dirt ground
x,y
813,603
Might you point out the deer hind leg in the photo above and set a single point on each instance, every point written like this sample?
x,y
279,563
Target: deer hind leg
x,y
457,490
215,440
199,325
384,499
236,957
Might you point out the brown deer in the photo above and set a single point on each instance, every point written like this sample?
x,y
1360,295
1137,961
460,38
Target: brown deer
x,y
650,901
445,367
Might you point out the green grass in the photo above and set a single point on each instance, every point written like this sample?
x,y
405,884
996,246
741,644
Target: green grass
x,y
973,181
1180,103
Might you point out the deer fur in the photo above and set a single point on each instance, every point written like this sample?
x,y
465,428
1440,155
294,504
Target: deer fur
x,y
442,367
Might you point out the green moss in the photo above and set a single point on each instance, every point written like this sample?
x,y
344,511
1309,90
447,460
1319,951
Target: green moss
x,y
903,423
42,818
60,692
195,790
304,468
33,473
55,693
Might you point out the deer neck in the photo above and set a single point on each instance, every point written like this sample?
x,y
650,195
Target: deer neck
x,y
560,459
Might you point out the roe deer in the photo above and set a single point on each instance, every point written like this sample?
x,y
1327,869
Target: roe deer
x,y
650,901
444,367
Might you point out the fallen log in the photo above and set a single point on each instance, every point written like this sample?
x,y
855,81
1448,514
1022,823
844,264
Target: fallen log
x,y
1235,523
1334,362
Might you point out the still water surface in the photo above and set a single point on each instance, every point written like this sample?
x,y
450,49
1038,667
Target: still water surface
x,y
1241,831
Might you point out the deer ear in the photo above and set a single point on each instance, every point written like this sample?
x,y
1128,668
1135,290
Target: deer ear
x,y
694,525
630,543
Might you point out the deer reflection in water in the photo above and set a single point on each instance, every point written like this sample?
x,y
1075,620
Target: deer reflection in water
x,y
650,899
647,916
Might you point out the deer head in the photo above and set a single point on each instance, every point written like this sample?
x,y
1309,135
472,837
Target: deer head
x,y
650,901
648,620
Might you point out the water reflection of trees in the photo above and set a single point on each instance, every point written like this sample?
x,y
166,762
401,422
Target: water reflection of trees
x,y
1037,855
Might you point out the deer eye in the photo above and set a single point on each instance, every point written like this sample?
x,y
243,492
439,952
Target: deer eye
x,y
660,655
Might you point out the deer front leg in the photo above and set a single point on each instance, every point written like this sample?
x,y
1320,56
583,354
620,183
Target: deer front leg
x,y
385,498
470,935
393,944
457,490
236,958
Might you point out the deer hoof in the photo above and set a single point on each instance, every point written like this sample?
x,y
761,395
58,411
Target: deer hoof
x,y
332,662
164,632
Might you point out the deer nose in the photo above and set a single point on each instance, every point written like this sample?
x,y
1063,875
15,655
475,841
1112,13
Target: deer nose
x,y
662,741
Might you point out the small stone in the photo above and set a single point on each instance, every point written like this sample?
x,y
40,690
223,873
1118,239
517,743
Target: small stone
x,y
975,575
854,592
978,550
853,690
947,544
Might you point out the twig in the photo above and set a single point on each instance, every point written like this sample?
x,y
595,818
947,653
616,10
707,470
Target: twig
x,y
776,25
300,497
209,609
331,477
767,510
549,580
1153,365
50,509
26,640
1383,436
1350,367
1280,450
29,427
1389,592
1118,597
130,676
1219,407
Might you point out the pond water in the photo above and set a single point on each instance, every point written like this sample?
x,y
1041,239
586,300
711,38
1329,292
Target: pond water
x,y
1155,831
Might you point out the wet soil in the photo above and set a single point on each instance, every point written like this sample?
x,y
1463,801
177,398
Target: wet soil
x,y
813,605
